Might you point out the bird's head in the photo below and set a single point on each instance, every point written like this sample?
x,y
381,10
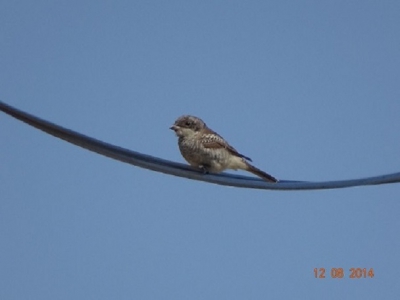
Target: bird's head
x,y
187,125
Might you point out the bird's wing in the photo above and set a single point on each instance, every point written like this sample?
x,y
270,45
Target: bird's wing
x,y
211,139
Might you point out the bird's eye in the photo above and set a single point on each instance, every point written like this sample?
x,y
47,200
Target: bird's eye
x,y
188,123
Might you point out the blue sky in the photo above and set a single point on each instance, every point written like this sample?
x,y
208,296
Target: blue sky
x,y
308,89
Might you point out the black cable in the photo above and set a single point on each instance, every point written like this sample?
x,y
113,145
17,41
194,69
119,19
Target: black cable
x,y
181,170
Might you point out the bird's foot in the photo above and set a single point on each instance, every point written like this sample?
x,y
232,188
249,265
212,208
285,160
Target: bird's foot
x,y
204,169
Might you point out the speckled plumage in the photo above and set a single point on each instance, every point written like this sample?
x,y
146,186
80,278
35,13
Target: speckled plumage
x,y
205,149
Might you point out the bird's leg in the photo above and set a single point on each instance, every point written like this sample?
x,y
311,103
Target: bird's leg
x,y
204,169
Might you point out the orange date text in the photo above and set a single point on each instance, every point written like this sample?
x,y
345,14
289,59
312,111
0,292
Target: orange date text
x,y
353,273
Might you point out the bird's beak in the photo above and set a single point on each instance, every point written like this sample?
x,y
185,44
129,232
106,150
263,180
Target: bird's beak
x,y
174,127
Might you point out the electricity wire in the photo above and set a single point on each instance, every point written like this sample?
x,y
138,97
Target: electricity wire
x,y
181,170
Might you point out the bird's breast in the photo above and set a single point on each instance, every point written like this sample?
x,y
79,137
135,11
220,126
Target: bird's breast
x,y
194,152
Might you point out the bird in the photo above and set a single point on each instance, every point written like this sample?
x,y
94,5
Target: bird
x,y
205,149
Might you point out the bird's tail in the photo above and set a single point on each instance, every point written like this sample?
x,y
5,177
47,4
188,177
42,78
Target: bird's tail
x,y
260,173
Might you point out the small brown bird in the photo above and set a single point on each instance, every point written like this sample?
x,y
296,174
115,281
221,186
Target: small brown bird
x,y
205,149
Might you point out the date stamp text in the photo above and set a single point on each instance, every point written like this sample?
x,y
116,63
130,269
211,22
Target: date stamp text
x,y
352,273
